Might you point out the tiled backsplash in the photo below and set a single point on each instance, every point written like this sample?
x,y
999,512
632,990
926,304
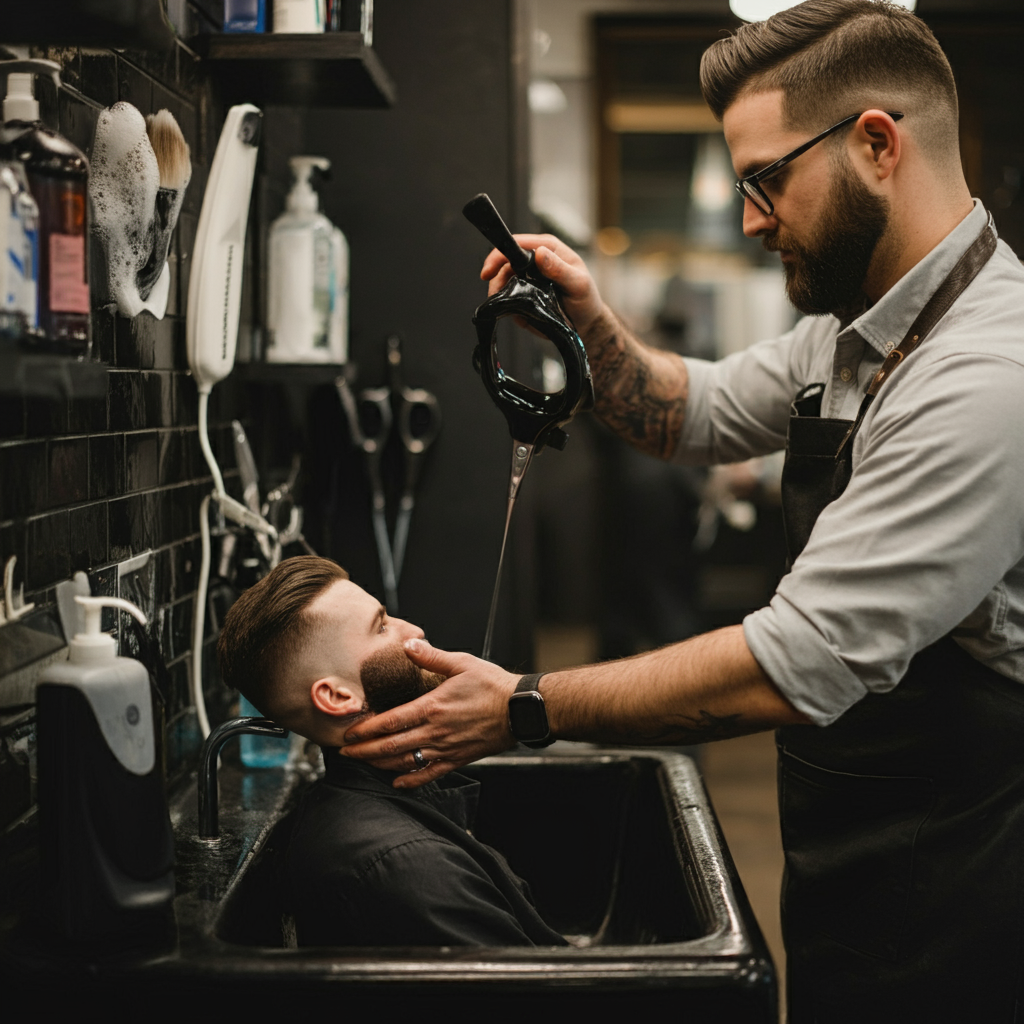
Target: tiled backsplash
x,y
89,484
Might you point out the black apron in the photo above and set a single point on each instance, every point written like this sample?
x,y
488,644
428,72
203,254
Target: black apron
x,y
902,822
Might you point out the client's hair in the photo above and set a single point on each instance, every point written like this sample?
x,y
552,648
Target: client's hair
x,y
266,625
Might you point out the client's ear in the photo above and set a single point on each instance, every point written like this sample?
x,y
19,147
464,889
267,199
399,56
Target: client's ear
x,y
335,697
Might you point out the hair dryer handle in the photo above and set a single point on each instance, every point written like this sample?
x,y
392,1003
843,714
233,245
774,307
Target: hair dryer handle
x,y
480,212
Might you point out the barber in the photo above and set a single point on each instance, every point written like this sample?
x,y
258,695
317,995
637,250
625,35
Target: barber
x,y
892,655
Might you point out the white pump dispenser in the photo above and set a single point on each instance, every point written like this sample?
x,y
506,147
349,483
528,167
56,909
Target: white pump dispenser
x,y
20,103
116,688
307,309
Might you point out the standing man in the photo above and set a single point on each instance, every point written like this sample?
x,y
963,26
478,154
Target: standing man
x,y
891,658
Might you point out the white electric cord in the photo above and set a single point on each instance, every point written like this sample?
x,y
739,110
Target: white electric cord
x,y
199,612
204,439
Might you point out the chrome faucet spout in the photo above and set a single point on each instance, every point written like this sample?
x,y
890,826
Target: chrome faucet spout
x,y
208,826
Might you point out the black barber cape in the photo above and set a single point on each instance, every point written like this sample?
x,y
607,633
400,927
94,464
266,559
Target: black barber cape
x,y
370,865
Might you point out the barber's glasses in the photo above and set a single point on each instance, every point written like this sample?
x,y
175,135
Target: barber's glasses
x,y
750,186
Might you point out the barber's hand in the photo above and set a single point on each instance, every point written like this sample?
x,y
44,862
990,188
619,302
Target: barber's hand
x,y
462,720
557,262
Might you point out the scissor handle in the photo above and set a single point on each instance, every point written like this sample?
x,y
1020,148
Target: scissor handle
x,y
419,420
376,427
483,215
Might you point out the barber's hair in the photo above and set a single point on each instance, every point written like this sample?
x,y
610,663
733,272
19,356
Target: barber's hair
x,y
834,58
266,625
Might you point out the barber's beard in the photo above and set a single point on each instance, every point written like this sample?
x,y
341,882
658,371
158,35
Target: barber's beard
x,y
827,274
389,678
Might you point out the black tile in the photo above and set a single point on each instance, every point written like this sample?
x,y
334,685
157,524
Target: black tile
x,y
159,398
165,341
103,583
180,633
134,86
12,417
180,696
87,415
119,528
126,343
159,64
141,461
187,558
88,536
70,64
23,472
190,77
127,401
140,516
171,458
46,417
186,401
47,551
12,542
103,336
77,121
154,342
180,513
99,76
106,465
69,471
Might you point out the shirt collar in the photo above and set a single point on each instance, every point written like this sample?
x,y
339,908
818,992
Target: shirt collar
x,y
453,795
889,319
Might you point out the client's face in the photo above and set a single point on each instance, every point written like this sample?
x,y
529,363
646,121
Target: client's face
x,y
367,648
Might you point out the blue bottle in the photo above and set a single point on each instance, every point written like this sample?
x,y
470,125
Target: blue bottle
x,y
245,15
261,751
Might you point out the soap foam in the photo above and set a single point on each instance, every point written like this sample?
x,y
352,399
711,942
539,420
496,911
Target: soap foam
x,y
123,185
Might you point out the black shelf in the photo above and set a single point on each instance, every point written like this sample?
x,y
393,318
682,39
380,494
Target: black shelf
x,y
140,24
29,374
328,69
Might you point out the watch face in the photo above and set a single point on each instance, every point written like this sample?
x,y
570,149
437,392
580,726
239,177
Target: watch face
x,y
527,717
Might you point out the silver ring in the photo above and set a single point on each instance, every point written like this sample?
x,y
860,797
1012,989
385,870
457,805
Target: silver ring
x,y
419,760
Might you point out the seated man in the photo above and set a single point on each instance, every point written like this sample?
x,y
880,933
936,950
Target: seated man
x,y
366,864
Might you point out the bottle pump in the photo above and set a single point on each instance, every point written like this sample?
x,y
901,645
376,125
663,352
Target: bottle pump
x,y
107,845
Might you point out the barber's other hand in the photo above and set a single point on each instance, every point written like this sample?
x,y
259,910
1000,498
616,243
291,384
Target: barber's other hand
x,y
557,262
463,719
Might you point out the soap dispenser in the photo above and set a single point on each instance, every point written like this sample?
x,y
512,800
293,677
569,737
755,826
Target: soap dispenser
x,y
307,302
105,832
58,175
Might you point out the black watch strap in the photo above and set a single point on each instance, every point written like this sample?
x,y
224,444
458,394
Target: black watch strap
x,y
527,717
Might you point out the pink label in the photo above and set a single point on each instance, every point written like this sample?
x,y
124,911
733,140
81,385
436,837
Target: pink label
x,y
68,291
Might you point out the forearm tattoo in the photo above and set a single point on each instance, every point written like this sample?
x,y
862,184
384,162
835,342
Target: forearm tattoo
x,y
705,729
640,392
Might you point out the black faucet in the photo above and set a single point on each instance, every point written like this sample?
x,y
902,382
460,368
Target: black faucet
x,y
208,827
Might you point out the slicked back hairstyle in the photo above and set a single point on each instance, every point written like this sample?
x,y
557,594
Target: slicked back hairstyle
x,y
834,58
266,624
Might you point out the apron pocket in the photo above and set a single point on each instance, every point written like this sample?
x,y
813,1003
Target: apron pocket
x,y
849,842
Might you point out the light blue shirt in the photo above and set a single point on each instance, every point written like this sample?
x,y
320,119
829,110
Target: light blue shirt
x,y
928,537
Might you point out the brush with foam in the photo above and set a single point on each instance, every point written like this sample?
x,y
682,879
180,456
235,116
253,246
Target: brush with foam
x,y
173,159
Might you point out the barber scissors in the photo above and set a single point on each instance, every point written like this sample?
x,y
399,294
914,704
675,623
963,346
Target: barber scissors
x,y
371,421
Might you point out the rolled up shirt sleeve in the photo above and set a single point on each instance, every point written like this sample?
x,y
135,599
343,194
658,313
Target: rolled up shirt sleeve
x,y
931,522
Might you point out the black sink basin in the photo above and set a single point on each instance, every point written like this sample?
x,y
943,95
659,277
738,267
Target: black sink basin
x,y
620,847
624,857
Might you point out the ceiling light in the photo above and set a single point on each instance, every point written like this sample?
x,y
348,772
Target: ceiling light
x,y
758,10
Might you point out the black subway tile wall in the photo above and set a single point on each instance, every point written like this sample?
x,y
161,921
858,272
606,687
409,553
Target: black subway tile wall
x,y
89,483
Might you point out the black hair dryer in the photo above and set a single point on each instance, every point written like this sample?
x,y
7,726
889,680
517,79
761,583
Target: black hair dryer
x,y
533,417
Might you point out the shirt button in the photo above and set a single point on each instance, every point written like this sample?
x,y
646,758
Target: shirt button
x,y
846,375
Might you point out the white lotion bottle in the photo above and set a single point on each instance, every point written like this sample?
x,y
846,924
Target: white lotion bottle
x,y
307,290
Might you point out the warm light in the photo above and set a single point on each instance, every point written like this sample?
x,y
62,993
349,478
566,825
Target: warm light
x,y
759,10
612,241
713,180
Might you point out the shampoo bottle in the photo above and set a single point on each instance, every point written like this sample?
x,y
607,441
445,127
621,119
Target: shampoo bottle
x,y
105,833
19,259
58,174
307,307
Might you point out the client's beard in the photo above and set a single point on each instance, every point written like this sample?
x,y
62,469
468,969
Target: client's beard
x,y
827,275
389,678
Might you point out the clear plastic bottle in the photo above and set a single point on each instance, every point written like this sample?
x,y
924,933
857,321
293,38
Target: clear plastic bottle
x,y
19,252
261,751
307,300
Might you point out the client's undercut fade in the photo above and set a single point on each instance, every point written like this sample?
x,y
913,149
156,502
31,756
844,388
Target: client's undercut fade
x,y
834,58
266,624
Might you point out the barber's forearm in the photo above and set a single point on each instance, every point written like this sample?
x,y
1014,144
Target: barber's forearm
x,y
640,391
707,688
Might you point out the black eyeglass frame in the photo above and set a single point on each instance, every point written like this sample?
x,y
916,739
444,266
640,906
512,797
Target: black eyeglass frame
x,y
750,186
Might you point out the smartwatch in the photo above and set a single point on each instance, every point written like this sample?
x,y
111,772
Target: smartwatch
x,y
527,716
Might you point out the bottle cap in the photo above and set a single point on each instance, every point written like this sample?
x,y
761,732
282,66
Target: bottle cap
x,y
92,645
20,103
302,198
